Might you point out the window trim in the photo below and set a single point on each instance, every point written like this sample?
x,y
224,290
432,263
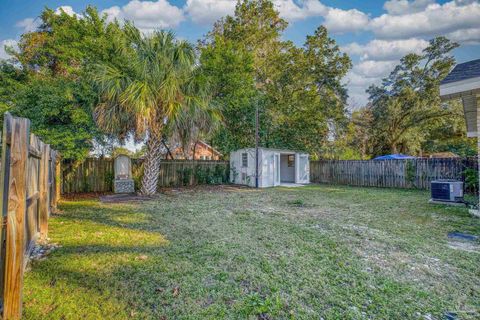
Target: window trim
x,y
291,161
244,158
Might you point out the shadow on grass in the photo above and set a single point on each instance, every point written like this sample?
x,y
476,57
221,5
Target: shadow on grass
x,y
99,281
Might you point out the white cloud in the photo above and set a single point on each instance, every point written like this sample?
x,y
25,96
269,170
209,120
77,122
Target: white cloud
x,y
372,69
399,7
382,50
148,15
339,21
207,11
8,43
336,20
29,24
435,19
292,11
465,36
67,9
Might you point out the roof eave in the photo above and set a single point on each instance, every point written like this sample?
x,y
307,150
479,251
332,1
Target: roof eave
x,y
458,89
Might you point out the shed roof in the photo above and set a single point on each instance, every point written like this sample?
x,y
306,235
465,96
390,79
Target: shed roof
x,y
276,150
463,71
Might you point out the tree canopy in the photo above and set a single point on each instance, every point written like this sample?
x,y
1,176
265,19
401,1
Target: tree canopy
x,y
48,81
298,90
86,82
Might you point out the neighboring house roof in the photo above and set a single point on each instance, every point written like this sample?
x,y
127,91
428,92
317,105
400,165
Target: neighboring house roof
x,y
398,156
210,147
200,144
463,71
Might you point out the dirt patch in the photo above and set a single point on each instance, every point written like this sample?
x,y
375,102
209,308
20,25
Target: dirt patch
x,y
121,198
207,188
83,196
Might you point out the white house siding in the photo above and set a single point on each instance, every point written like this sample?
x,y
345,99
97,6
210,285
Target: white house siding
x,y
243,175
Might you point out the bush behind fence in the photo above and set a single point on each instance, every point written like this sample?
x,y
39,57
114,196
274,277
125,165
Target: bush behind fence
x,y
96,175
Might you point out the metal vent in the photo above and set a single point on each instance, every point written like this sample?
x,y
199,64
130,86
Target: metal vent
x,y
447,190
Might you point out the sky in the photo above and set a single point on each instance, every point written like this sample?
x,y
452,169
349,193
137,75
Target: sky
x,y
375,33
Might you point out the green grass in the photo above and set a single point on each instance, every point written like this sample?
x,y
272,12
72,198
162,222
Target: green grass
x,y
296,253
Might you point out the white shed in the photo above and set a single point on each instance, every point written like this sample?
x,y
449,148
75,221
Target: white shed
x,y
275,167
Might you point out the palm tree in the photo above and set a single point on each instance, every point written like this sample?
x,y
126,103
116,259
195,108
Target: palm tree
x,y
154,88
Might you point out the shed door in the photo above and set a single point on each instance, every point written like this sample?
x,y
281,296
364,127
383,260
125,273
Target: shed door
x,y
276,168
303,169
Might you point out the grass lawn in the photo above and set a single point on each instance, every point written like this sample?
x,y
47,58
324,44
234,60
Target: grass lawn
x,y
284,253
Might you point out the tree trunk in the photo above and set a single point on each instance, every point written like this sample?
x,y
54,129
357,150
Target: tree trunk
x,y
394,148
151,166
194,150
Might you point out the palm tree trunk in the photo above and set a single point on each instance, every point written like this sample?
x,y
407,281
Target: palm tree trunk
x,y
151,168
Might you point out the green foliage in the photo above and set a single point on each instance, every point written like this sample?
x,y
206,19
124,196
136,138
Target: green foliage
x,y
47,80
207,175
408,100
230,70
121,151
296,203
137,173
471,179
109,179
60,113
186,174
262,307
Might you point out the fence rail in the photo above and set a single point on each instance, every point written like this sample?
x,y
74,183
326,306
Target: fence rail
x,y
28,193
96,175
412,173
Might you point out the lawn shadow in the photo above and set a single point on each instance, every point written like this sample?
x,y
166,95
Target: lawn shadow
x,y
129,282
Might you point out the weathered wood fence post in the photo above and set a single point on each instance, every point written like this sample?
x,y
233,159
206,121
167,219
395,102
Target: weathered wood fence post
x,y
14,205
25,204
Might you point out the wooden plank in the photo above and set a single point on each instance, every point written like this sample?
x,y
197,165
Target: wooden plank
x,y
15,229
44,203
4,184
33,151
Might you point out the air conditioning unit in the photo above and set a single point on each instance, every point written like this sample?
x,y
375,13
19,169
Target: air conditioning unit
x,y
447,190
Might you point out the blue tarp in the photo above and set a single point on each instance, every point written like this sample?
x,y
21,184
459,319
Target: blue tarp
x,y
398,156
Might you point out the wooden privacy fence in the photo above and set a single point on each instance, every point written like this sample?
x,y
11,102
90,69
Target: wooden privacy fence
x,y
96,175
28,193
411,173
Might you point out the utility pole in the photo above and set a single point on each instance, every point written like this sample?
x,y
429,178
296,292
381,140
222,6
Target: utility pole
x,y
256,144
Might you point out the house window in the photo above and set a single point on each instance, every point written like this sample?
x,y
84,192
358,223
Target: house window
x,y
291,160
244,160
202,157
